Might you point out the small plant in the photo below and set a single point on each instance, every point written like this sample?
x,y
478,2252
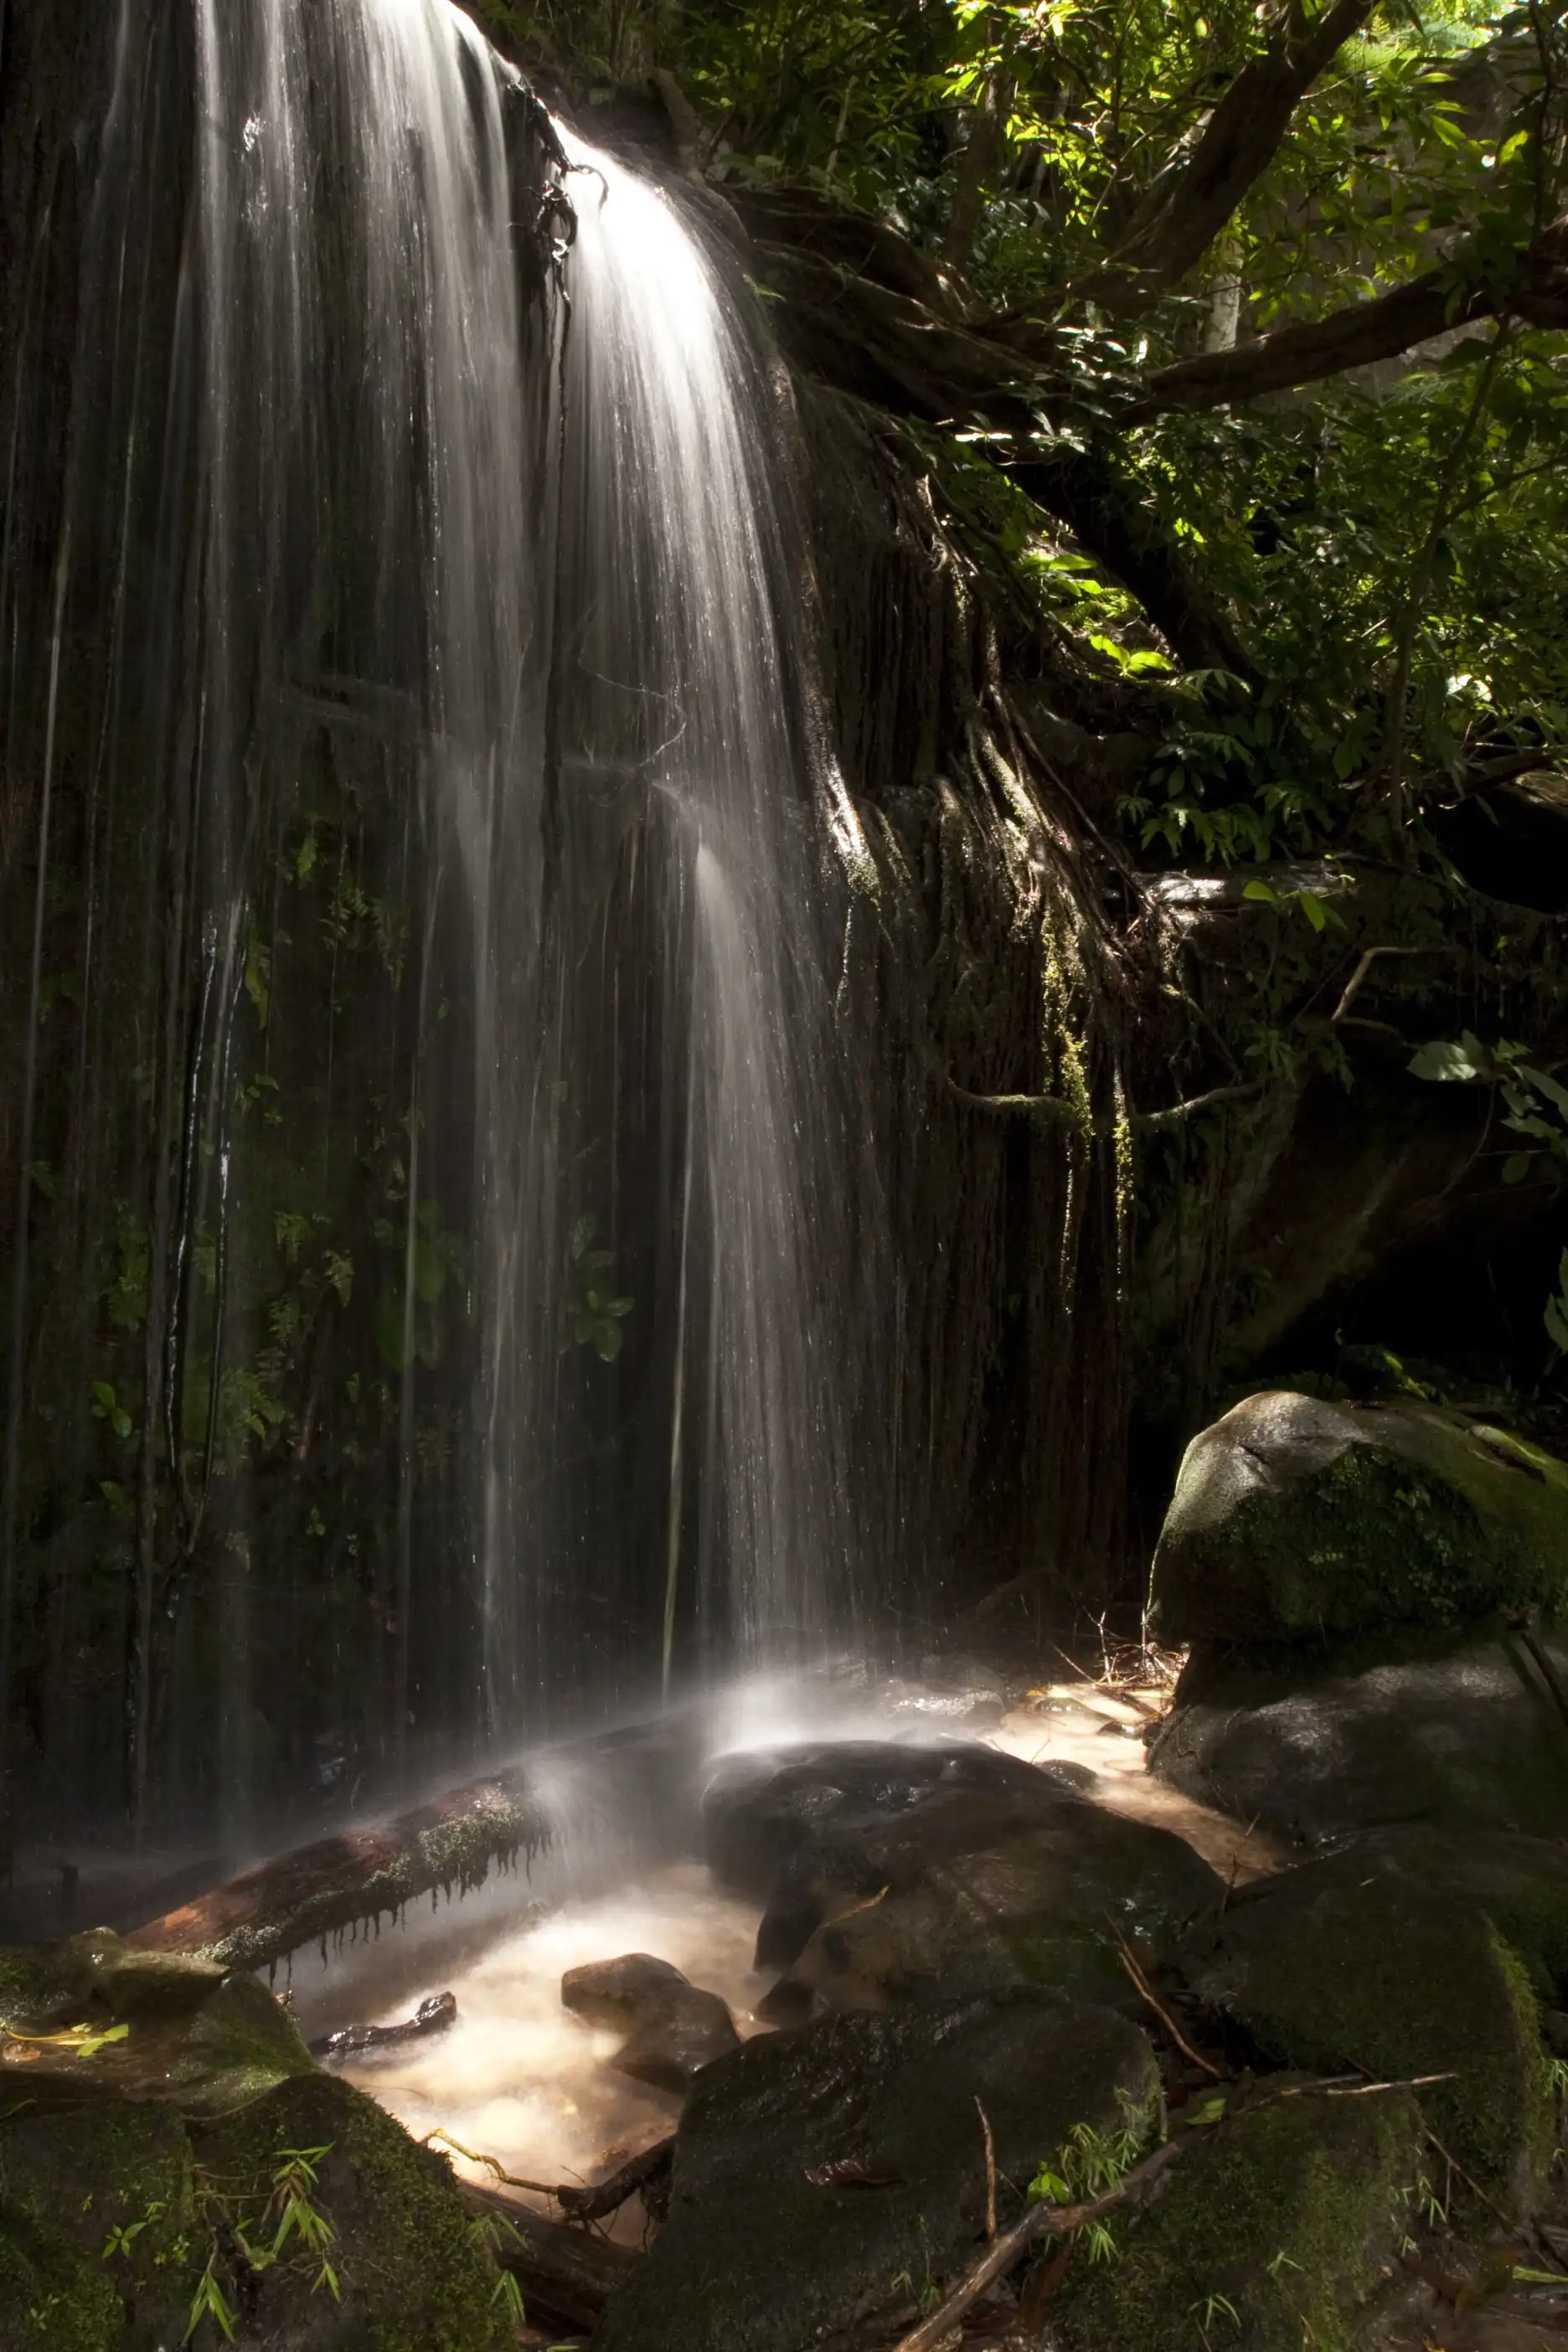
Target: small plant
x,y
595,1314
209,2302
1211,2308
490,2232
1091,2164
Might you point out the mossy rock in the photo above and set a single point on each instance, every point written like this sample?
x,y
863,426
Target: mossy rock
x,y
1270,2235
1520,1884
201,2038
51,2298
758,2256
411,2274
1461,1732
1046,1908
1350,1966
98,2188
1296,1520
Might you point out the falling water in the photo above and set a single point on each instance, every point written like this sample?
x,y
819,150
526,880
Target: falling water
x,y
704,1142
447,1135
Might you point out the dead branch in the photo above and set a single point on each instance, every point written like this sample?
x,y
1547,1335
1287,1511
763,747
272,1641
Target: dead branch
x,y
1142,1982
1358,977
608,2196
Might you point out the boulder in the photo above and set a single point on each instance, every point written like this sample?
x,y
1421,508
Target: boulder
x,y
119,2213
1297,1521
1271,2235
1351,1964
824,2180
673,2027
813,1831
1047,1906
1463,1732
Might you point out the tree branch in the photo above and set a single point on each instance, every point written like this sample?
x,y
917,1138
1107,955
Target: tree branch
x,y
1534,289
1238,144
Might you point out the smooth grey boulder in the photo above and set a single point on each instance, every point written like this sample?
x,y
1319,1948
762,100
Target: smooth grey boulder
x,y
824,2180
673,2027
1466,1733
1296,1522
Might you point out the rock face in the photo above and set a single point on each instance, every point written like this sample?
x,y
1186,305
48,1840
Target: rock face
x,y
1271,2236
674,2027
823,2178
1461,1731
899,1867
1352,1963
1298,1521
127,2170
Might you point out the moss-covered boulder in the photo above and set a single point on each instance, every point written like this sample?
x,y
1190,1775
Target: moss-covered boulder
x,y
1295,1520
152,2111
1351,1964
1271,2235
411,2276
1464,1732
769,2247
1048,1907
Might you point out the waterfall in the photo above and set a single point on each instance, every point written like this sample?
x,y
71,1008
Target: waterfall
x,y
450,1141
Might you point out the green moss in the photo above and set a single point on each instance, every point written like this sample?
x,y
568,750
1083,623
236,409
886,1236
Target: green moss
x,y
1296,1520
1272,2234
1330,1972
51,2300
77,2169
412,2277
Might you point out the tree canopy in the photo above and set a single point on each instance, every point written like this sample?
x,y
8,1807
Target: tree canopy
x,y
1235,331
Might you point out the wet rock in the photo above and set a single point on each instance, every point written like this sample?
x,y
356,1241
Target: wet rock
x,y
674,2027
1271,2235
1046,1907
758,2255
813,1831
1351,1964
1295,1520
1463,1732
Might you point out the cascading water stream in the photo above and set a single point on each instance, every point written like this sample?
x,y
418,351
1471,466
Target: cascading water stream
x,y
473,1219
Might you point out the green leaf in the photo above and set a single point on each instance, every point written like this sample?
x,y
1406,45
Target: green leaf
x,y
1445,1063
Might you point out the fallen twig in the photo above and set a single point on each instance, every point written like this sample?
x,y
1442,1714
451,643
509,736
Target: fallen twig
x,y
1038,2221
1142,1982
1455,2168
990,2172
